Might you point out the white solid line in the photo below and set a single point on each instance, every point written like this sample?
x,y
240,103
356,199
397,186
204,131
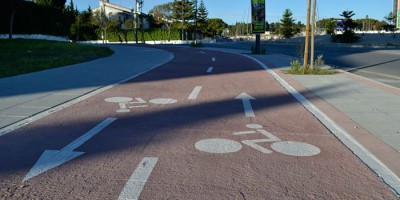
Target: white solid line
x,y
138,180
32,107
13,116
213,59
195,93
209,70
390,178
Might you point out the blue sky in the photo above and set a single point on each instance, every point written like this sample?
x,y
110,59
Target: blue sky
x,y
232,11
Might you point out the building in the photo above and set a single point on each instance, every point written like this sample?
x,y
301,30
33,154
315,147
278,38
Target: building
x,y
122,14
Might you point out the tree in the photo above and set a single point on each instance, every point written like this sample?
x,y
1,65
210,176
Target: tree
x,y
287,29
202,17
348,35
54,3
267,28
13,5
391,17
163,14
105,23
183,11
275,27
330,26
348,22
82,28
297,28
216,26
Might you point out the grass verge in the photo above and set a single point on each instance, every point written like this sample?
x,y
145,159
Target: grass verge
x,y
22,56
297,69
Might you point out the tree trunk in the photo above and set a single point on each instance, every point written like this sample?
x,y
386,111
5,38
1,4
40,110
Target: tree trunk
x,y
305,61
12,24
313,35
169,34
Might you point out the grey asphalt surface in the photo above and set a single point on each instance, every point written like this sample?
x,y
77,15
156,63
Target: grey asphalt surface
x,y
24,96
378,63
370,105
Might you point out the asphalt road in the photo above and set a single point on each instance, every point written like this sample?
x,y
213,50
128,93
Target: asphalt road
x,y
207,125
380,64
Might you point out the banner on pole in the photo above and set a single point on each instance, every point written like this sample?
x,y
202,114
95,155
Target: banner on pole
x,y
398,14
258,15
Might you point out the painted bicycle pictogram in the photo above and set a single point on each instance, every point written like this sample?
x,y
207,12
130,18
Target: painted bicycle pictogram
x,y
292,148
128,103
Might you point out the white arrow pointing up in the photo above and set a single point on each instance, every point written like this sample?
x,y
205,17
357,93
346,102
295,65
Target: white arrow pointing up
x,y
248,109
53,158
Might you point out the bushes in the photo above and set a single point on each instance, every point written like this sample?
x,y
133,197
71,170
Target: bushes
x,y
346,37
31,18
147,35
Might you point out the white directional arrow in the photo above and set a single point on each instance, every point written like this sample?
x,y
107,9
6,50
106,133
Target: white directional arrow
x,y
248,109
53,158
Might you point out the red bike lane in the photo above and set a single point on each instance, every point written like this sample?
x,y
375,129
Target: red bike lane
x,y
207,125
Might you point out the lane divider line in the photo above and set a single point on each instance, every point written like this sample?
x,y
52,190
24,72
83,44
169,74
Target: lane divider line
x,y
195,93
210,69
138,179
213,59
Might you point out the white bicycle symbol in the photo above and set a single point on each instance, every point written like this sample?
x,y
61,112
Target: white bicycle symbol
x,y
126,103
292,148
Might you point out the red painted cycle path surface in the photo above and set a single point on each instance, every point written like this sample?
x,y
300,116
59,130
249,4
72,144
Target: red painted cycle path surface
x,y
170,133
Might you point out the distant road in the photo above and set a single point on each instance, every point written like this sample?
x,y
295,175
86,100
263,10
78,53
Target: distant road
x,y
380,64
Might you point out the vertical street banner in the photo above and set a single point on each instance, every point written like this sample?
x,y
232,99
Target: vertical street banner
x,y
398,14
258,16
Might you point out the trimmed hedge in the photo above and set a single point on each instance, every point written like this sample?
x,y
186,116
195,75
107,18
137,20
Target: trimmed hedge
x,y
149,35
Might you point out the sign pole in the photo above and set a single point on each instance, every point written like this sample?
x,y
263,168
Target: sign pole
x,y
258,43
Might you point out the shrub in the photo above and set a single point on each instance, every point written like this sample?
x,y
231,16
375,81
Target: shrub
x,y
198,44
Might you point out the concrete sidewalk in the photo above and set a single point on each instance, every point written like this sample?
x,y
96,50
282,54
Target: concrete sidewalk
x,y
25,96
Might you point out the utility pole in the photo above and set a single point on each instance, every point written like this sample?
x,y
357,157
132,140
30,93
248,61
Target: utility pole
x,y
305,61
313,35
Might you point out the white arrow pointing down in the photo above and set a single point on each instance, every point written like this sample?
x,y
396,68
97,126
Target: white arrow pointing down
x,y
248,109
53,158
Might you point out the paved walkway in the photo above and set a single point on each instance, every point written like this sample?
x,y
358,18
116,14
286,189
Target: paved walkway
x,y
24,96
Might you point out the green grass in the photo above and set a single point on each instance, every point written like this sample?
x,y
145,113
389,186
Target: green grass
x,y
297,69
21,56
